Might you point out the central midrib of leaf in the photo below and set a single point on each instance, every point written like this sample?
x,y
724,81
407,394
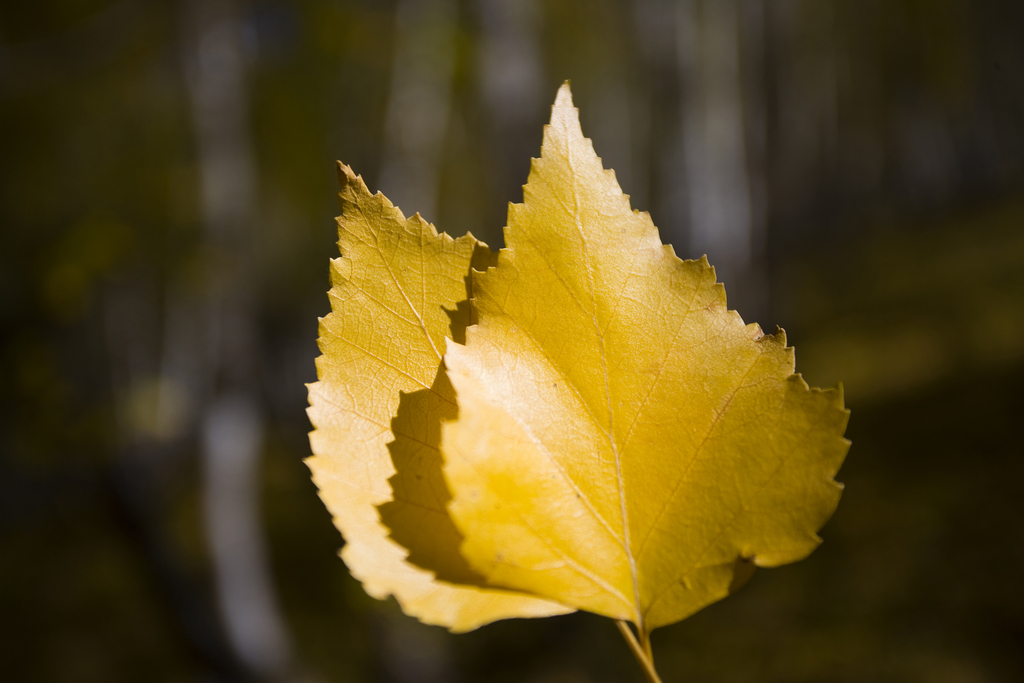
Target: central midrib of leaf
x,y
610,433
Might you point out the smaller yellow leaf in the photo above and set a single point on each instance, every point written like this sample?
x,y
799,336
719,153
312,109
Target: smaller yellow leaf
x,y
397,290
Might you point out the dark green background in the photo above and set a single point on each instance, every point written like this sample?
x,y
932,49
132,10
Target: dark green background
x,y
903,278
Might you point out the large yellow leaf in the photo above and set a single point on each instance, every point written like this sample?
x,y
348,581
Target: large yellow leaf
x,y
395,297
624,443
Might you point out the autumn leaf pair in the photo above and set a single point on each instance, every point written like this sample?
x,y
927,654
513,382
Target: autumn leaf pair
x,y
575,422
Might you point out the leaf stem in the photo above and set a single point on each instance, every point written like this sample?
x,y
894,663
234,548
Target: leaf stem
x,y
643,653
645,642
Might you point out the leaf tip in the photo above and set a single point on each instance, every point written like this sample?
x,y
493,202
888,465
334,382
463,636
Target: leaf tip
x,y
564,97
564,114
345,175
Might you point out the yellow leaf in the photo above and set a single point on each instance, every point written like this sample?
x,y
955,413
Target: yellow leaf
x,y
395,297
624,443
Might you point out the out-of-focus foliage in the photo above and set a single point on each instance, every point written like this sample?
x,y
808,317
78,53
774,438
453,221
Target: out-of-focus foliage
x,y
884,140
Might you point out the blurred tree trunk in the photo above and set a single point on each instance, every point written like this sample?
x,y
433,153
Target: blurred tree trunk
x,y
716,109
231,421
510,80
419,103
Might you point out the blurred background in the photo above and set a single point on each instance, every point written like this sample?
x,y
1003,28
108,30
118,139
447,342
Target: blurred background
x,y
855,169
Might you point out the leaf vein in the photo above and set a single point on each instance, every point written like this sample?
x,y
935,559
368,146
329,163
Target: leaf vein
x,y
682,477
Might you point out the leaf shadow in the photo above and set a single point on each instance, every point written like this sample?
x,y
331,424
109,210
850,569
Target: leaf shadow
x,y
464,315
418,515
